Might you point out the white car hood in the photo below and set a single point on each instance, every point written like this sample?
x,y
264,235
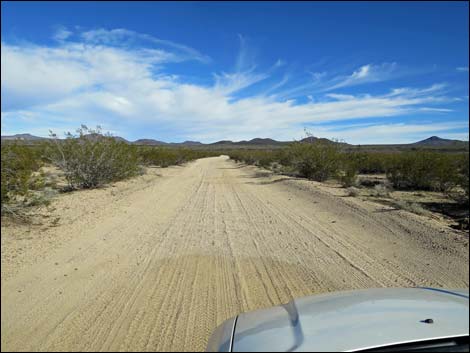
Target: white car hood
x,y
354,320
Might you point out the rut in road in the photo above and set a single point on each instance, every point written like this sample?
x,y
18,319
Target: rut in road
x,y
175,258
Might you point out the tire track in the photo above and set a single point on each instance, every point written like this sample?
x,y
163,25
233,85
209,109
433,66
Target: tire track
x,y
169,261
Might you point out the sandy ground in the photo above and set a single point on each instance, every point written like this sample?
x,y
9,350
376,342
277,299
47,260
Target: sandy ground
x,y
157,262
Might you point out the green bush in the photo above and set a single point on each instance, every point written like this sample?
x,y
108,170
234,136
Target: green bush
x,y
316,161
371,162
91,159
446,172
349,169
423,170
410,170
18,164
166,156
463,180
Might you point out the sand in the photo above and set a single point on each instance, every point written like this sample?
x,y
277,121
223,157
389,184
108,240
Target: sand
x,y
157,262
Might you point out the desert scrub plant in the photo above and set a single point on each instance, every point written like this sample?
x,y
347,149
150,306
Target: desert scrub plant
x,y
316,160
19,162
352,191
381,190
91,159
423,170
349,168
19,177
166,156
260,158
412,207
463,175
446,172
371,162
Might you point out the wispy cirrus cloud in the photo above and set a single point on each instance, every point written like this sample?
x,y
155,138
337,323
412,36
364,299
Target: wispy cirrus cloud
x,y
324,82
244,74
123,37
365,74
119,79
462,68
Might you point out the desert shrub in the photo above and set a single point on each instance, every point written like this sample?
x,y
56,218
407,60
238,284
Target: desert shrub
x,y
18,164
349,168
261,158
352,191
316,161
282,156
371,162
320,160
166,156
368,183
412,207
423,170
91,158
463,174
265,160
381,190
446,172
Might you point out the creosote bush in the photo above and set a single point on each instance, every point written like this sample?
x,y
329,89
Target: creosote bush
x,y
406,170
463,176
91,159
317,160
423,170
19,164
352,191
166,156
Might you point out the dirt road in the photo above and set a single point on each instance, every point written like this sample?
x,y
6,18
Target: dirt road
x,y
158,262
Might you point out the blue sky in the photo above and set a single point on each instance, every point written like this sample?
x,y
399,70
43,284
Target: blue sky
x,y
361,72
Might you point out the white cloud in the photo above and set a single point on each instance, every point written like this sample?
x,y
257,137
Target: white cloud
x,y
325,82
463,68
126,88
365,74
227,83
122,37
414,92
393,133
340,97
62,34
442,110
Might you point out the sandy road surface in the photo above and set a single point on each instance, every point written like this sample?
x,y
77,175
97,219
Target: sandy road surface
x,y
157,263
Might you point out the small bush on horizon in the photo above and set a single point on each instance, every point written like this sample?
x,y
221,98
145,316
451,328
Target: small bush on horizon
x,y
166,156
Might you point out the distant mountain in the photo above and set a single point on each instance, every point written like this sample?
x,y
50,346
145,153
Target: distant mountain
x,y
189,143
260,141
222,142
253,142
437,141
312,139
309,139
23,137
120,139
149,142
431,142
95,136
152,142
